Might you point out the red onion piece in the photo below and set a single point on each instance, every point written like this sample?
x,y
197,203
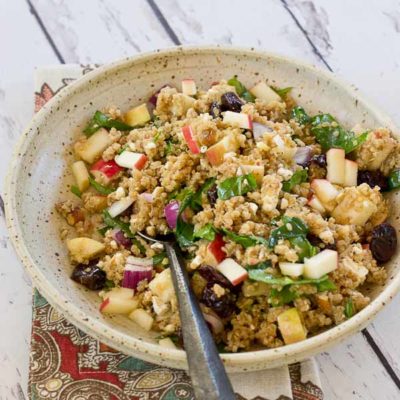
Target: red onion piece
x,y
303,156
153,98
171,212
133,274
214,321
259,130
141,262
148,197
121,239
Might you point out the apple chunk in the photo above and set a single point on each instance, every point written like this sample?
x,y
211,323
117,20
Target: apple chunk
x,y
119,301
92,148
120,206
350,173
142,318
188,135
162,286
105,171
215,153
215,252
81,175
335,159
234,272
291,269
291,326
83,249
325,192
263,92
138,116
321,264
244,121
129,159
189,87
316,204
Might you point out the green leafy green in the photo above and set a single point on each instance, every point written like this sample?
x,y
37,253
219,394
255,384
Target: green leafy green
x,y
157,136
330,134
282,92
241,90
103,230
236,186
298,177
260,276
325,286
184,233
207,232
109,284
158,258
75,190
304,248
122,149
104,190
169,147
349,309
394,179
281,297
262,265
196,202
124,227
245,241
292,227
100,120
299,115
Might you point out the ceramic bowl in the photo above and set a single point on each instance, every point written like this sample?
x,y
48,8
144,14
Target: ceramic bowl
x,y
37,176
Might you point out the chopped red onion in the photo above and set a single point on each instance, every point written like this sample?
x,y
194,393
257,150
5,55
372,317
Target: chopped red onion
x,y
133,274
259,130
214,321
171,212
148,197
303,156
121,239
141,262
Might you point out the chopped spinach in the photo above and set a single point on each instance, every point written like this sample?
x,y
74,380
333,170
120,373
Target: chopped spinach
x,y
241,90
236,186
122,149
196,202
304,248
207,232
184,232
75,190
169,147
349,309
281,297
109,284
298,177
282,92
325,286
158,258
244,240
103,230
299,115
104,190
330,134
292,227
262,265
394,179
260,276
100,120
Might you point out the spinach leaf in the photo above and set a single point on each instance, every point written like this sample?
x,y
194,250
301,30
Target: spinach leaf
x,y
99,187
349,309
100,120
329,134
245,241
109,284
325,286
184,232
262,265
122,149
393,179
298,177
292,227
169,147
282,92
158,258
281,297
236,186
75,190
103,230
207,232
299,115
124,227
304,248
241,90
260,276
196,203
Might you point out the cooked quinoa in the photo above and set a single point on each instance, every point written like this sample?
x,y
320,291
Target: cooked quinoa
x,y
280,215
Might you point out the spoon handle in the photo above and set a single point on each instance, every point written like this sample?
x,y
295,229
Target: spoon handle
x,y
209,378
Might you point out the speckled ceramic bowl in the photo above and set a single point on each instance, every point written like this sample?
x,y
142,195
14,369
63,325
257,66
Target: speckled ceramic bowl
x,y
37,170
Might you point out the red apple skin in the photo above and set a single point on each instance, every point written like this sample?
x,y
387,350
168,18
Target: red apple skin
x,y
215,247
141,162
104,304
250,123
240,279
190,141
108,168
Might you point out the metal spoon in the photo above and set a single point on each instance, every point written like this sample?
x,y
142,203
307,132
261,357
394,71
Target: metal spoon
x,y
209,378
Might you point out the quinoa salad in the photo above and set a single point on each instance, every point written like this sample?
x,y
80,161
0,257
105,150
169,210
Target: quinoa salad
x,y
281,215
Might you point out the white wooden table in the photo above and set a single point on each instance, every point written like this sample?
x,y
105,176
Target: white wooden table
x,y
358,39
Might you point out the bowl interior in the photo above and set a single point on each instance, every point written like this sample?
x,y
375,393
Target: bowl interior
x,y
38,178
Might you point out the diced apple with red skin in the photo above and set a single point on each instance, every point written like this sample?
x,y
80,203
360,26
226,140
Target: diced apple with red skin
x,y
314,203
291,269
335,159
263,92
119,301
244,121
189,87
83,249
188,135
138,116
325,192
215,153
129,159
350,173
256,170
92,148
105,171
291,326
120,206
142,318
321,264
81,175
215,252
234,272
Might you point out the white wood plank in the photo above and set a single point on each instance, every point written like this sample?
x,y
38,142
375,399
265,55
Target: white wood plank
x,y
96,31
23,47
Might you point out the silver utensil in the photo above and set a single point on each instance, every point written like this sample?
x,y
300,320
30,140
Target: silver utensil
x,y
209,378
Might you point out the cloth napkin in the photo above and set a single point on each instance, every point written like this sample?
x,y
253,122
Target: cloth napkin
x,y
67,364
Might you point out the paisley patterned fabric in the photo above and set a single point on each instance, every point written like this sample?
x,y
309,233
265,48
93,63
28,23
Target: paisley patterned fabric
x,y
67,364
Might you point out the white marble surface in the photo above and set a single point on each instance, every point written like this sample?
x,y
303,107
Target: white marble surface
x,y
358,39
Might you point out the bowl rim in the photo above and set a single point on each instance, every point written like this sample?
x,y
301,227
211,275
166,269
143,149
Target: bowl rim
x,y
151,351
